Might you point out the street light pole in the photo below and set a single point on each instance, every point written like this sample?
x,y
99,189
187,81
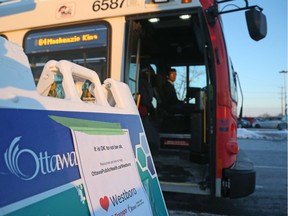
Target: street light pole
x,y
285,90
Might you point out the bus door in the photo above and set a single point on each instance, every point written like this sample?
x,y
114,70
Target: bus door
x,y
186,155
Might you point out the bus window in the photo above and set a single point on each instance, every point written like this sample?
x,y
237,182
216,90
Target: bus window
x,y
233,87
197,76
196,79
51,82
56,88
86,45
87,89
180,82
132,78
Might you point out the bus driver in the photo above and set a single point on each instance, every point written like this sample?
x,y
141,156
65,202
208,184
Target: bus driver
x,y
170,100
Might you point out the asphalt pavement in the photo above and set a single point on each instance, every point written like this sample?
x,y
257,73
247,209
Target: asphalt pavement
x,y
269,154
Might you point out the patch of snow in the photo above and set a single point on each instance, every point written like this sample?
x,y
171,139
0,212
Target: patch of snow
x,y
243,133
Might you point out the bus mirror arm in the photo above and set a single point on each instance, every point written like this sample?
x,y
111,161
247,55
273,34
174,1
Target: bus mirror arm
x,y
256,20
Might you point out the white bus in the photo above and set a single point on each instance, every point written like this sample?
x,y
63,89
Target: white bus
x,y
195,153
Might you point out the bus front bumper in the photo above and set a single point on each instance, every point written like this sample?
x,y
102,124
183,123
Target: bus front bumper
x,y
240,179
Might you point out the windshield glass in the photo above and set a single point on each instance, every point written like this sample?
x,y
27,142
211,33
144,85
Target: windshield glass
x,y
193,76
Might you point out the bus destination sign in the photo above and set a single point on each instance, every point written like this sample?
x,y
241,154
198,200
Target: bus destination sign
x,y
66,39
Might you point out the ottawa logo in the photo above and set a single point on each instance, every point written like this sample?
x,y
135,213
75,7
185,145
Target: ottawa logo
x,y
35,163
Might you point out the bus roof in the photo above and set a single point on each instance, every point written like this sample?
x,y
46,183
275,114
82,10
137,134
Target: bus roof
x,y
25,14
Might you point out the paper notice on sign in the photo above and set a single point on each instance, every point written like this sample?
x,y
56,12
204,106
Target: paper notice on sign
x,y
109,173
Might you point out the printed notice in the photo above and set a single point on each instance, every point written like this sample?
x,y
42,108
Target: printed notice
x,y
109,173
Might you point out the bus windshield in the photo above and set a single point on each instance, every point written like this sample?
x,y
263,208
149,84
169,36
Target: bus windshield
x,y
191,77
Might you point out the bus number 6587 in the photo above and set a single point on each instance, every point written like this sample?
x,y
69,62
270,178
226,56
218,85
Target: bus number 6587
x,y
106,4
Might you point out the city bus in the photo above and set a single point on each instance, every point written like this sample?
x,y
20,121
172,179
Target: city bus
x,y
196,153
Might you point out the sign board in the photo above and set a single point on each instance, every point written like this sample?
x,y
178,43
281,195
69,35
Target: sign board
x,y
66,157
107,164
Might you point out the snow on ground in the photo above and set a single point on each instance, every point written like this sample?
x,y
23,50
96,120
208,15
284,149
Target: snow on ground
x,y
270,134
243,133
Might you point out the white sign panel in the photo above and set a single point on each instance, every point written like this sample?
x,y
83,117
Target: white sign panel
x,y
109,173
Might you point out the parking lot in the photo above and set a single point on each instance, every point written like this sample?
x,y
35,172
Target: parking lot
x,y
277,122
267,148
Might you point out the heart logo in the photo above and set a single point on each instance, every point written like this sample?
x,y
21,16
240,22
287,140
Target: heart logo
x,y
104,202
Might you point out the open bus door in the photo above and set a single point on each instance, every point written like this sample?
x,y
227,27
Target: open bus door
x,y
197,153
185,157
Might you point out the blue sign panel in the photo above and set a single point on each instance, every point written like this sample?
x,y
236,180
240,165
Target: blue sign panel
x,y
40,155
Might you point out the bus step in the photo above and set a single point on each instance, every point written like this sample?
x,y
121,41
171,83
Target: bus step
x,y
190,188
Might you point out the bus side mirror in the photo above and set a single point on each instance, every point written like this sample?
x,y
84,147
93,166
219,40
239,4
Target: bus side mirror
x,y
256,23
